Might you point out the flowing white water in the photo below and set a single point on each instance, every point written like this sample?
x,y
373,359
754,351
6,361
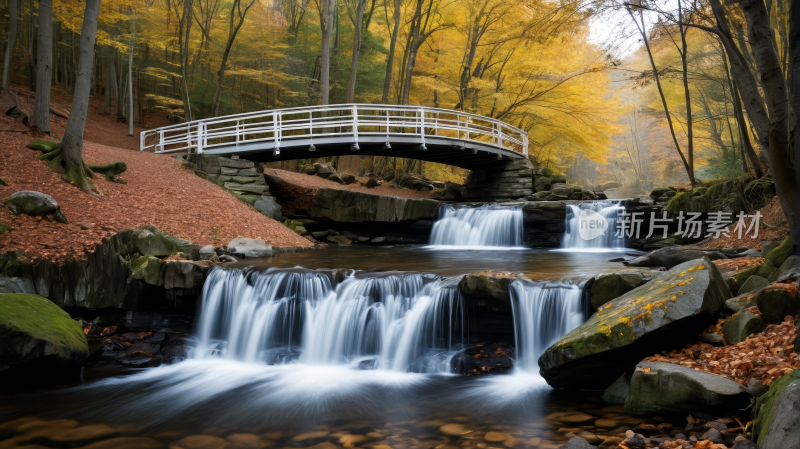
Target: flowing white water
x,y
392,321
543,312
573,241
482,227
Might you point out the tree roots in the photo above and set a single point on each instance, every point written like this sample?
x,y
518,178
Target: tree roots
x,y
55,161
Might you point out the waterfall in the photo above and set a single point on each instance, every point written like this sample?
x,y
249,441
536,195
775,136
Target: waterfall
x,y
574,241
478,227
543,312
395,321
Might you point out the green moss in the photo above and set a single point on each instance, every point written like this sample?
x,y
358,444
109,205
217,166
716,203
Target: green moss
x,y
764,404
547,172
679,202
44,146
658,192
778,256
149,269
248,199
42,319
3,182
4,228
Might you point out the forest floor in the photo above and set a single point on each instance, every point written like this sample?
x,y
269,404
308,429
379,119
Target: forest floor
x,y
158,192
772,226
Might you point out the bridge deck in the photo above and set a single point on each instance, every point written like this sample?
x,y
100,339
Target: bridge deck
x,y
449,137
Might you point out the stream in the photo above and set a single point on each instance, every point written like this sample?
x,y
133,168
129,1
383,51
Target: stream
x,y
287,356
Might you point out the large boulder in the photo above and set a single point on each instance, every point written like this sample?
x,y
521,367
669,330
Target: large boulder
x,y
658,315
606,287
564,190
153,242
740,326
790,269
39,341
658,387
777,301
34,203
752,284
488,284
542,184
777,423
268,206
185,274
249,248
669,257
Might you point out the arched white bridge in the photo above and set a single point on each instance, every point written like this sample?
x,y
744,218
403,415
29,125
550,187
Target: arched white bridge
x,y
438,135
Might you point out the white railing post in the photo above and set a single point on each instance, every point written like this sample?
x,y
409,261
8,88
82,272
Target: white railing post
x,y
237,132
160,144
276,122
200,136
141,141
422,128
355,129
525,143
499,134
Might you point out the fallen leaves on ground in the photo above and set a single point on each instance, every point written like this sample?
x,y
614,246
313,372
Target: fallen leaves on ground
x,y
738,264
765,356
159,193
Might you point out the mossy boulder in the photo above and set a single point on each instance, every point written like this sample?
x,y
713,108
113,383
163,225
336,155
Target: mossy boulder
x,y
34,203
777,423
296,227
752,284
777,256
547,172
153,242
658,387
38,340
607,287
542,184
790,269
660,243
659,191
740,326
559,179
659,315
150,270
777,301
488,284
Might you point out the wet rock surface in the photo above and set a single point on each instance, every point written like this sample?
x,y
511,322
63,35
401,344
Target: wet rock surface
x,y
679,303
484,358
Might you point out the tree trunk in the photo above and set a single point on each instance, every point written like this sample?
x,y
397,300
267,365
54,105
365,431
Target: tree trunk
x,y
72,141
31,60
387,81
110,79
233,30
781,117
12,36
794,52
325,24
687,95
130,75
357,31
44,67
183,44
752,158
643,32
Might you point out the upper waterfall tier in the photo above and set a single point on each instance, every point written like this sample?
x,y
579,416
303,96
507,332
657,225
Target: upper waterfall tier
x,y
478,227
593,227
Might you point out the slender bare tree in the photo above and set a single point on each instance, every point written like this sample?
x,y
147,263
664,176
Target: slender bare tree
x,y
44,67
12,36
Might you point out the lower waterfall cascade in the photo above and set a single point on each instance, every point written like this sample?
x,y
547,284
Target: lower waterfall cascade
x,y
478,227
609,211
404,322
394,321
543,312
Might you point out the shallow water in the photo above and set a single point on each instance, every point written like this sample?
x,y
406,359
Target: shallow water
x,y
536,264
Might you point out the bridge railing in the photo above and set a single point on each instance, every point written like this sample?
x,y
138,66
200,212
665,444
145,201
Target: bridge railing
x,y
281,126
